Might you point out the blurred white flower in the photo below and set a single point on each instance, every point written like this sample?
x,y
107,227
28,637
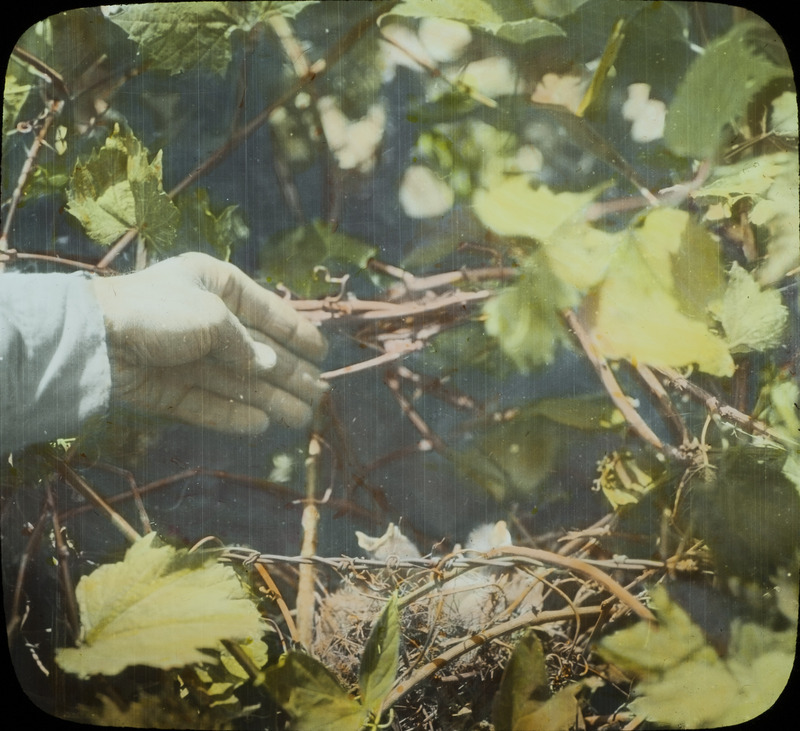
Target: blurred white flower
x,y
565,91
353,143
494,76
423,194
646,115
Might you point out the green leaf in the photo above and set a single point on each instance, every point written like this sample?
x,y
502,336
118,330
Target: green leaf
x,y
579,412
160,607
471,12
525,674
222,231
117,189
15,94
305,258
708,101
179,36
498,17
640,313
685,684
524,700
380,659
522,31
512,457
753,319
312,696
525,316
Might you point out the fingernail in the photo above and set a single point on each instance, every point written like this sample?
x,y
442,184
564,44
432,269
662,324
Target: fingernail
x,y
265,357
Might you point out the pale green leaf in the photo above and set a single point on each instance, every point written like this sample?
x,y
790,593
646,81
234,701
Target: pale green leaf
x,y
159,607
783,120
380,659
312,696
580,254
622,481
708,101
753,318
511,207
644,649
507,20
749,178
683,681
117,189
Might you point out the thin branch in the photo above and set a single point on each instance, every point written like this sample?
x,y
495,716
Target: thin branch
x,y
632,416
718,408
578,566
306,601
480,638
51,112
74,480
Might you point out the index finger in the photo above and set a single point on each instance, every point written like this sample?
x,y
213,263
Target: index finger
x,y
258,308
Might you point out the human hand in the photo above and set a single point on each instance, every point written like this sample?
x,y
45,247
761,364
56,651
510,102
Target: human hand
x,y
195,339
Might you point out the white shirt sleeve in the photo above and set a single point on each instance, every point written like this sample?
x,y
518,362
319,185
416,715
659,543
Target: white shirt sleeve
x,y
54,369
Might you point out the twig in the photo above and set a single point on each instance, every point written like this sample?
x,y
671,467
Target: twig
x,y
279,600
73,479
637,423
540,556
379,360
307,573
480,638
62,558
392,380
413,283
671,413
15,619
715,406
52,110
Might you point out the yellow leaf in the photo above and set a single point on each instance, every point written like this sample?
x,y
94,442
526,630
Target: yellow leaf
x,y
637,312
159,607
